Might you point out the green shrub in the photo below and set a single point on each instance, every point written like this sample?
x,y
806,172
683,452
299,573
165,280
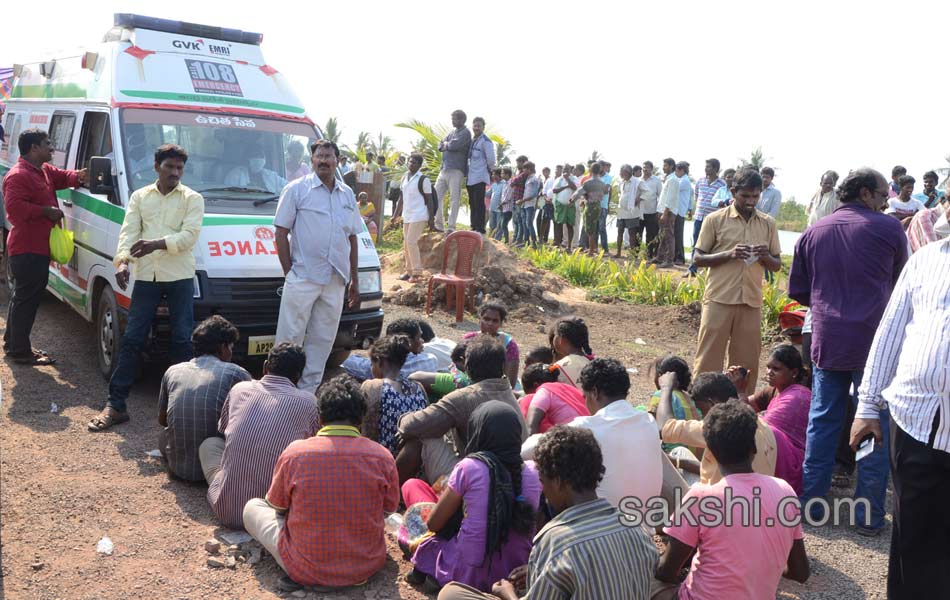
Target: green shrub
x,y
640,283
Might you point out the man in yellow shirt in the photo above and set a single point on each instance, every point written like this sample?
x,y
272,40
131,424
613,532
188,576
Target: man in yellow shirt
x,y
161,226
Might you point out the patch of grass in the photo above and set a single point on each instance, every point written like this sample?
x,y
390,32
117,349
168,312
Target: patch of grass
x,y
640,283
391,242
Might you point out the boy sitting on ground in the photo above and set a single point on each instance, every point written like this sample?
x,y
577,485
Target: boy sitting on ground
x,y
322,519
708,390
744,560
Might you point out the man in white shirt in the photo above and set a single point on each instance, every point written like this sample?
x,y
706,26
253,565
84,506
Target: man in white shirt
x,y
628,438
546,204
415,205
906,374
825,201
667,207
255,175
648,193
319,215
564,211
628,213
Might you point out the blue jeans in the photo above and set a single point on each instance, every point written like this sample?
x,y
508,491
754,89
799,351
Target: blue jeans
x,y
831,391
518,222
697,225
502,231
529,232
146,296
494,220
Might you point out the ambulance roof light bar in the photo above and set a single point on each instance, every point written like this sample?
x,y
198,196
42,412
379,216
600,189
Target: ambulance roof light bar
x,y
130,21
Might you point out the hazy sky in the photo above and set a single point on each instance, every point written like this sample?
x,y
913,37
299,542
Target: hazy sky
x,y
819,85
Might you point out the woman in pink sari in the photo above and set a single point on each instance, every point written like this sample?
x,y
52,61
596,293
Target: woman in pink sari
x,y
548,401
784,405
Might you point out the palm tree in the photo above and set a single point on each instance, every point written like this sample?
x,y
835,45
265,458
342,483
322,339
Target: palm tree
x,y
332,130
502,152
382,144
756,160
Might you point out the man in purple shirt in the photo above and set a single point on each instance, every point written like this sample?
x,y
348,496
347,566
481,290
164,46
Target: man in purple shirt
x,y
844,269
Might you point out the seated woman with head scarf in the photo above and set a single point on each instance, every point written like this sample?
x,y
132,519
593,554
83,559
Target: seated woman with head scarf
x,y
482,525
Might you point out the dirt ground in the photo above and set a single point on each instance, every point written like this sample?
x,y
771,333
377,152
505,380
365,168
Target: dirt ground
x,y
62,488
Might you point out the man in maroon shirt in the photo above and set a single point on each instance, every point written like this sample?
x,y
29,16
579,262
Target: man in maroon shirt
x,y
29,197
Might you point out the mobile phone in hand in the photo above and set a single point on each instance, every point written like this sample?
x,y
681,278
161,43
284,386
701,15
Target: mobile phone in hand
x,y
865,447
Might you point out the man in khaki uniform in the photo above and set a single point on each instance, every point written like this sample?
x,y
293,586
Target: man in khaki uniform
x,y
737,244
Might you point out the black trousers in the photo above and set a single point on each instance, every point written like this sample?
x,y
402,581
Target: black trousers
x,y
919,564
476,205
679,256
31,272
650,224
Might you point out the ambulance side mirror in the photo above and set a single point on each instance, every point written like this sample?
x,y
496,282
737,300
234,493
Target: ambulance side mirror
x,y
100,175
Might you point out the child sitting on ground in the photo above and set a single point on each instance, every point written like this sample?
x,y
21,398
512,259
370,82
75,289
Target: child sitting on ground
x,y
683,406
570,341
390,394
708,390
437,385
547,401
540,354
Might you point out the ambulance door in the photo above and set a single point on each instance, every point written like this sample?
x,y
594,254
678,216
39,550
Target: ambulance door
x,y
97,217
62,129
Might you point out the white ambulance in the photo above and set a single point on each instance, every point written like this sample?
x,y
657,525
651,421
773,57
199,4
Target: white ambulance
x,y
208,89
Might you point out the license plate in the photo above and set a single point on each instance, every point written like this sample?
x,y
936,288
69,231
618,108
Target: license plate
x,y
259,344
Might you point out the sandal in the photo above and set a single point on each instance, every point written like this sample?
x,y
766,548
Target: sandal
x,y
106,419
33,359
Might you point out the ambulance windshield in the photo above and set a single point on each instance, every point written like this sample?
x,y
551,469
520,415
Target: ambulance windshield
x,y
238,163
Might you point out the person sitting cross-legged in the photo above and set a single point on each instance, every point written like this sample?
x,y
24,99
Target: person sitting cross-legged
x,y
586,550
431,438
322,518
627,436
741,559
192,394
708,390
484,520
390,394
258,420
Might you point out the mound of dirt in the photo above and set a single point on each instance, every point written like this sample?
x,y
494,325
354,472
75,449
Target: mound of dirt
x,y
499,276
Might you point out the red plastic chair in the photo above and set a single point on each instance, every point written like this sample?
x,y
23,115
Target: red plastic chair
x,y
467,244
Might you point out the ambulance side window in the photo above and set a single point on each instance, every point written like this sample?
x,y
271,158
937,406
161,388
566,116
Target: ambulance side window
x,y
95,139
61,134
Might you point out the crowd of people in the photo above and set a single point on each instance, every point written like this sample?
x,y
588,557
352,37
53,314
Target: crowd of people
x,y
531,474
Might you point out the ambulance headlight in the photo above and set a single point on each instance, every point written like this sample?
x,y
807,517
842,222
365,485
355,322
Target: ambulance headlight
x,y
370,282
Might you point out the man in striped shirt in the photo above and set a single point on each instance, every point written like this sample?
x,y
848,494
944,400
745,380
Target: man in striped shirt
x,y
585,552
258,420
906,374
703,194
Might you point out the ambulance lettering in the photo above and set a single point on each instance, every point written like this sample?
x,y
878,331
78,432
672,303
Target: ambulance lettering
x,y
265,244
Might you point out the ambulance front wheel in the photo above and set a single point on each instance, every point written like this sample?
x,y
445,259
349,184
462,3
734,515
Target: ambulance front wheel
x,y
108,332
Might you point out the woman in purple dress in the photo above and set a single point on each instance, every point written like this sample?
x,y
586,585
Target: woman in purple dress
x,y
482,525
